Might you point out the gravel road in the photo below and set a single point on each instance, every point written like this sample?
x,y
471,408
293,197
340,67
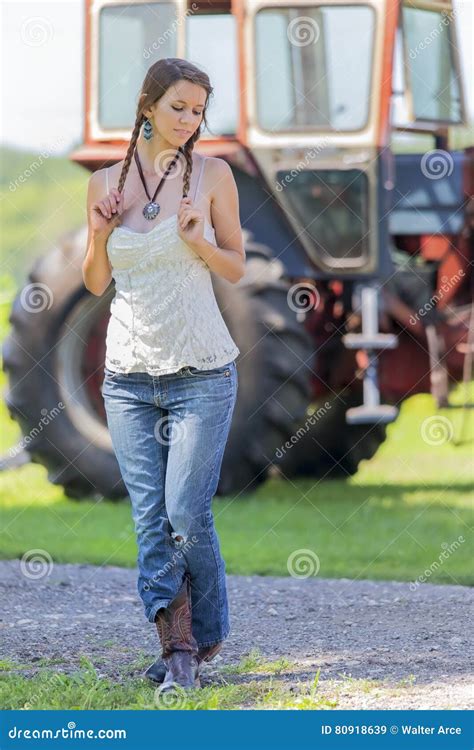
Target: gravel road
x,y
413,648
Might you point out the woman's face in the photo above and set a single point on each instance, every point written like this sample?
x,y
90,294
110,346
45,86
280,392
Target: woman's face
x,y
178,114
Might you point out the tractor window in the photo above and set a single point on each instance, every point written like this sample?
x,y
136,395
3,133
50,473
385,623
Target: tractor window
x,y
431,68
332,206
313,69
211,38
132,37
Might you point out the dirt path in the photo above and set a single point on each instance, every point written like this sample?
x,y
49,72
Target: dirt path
x,y
412,647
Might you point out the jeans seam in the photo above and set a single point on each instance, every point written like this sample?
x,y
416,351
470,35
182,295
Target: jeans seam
x,y
219,598
170,543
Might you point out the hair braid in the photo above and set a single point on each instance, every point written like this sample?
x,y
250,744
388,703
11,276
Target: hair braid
x,y
130,150
188,153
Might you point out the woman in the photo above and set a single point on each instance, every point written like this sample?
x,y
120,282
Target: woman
x,y
170,379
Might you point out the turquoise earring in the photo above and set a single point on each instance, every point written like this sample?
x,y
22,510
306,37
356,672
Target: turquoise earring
x,y
148,130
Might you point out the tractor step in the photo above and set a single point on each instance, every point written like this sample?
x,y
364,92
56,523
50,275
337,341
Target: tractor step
x,y
374,341
381,413
371,341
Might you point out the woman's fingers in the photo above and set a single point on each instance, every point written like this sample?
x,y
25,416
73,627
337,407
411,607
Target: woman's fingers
x,y
104,208
114,200
118,196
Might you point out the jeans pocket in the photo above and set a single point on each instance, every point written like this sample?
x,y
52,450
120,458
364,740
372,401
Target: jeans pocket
x,y
112,374
216,372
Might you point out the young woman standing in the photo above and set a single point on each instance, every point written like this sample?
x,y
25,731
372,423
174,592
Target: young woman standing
x,y
170,379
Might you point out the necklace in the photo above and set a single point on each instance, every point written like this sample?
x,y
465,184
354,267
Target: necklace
x,y
152,209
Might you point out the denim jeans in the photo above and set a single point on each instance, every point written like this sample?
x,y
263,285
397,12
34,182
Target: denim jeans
x,y
169,434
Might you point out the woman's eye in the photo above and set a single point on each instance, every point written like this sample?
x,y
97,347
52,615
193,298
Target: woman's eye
x,y
180,109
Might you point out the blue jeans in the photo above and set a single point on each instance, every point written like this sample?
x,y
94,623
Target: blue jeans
x,y
169,434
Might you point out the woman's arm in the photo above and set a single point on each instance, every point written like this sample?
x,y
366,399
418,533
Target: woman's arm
x,y
96,268
228,259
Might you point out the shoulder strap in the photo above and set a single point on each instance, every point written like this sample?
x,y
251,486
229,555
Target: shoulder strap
x,y
199,177
107,180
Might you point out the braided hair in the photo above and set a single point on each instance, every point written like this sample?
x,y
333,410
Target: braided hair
x,y
160,76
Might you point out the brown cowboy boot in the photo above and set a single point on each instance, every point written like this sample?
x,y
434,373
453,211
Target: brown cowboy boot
x,y
156,671
179,647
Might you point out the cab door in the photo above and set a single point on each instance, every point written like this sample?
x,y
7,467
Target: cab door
x,y
317,83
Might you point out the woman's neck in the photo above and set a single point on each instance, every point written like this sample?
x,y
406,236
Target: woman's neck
x,y
155,157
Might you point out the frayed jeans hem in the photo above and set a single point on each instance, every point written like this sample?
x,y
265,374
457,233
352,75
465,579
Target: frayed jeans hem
x,y
205,644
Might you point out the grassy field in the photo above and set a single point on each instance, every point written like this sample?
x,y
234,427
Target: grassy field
x,y
390,521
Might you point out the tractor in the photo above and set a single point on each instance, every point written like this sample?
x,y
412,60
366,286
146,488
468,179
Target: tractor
x,y
336,118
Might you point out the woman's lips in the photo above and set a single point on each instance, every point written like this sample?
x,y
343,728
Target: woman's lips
x,y
183,132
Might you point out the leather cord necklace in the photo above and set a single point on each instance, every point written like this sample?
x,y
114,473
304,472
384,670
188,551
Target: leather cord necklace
x,y
152,209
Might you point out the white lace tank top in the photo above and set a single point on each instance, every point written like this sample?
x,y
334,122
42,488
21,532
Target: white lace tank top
x,y
164,315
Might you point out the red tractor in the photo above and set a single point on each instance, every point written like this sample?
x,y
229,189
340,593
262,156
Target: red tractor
x,y
358,288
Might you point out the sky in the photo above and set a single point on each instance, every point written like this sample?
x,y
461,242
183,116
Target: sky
x,y
42,71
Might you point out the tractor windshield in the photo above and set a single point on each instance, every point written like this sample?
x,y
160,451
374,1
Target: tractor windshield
x,y
313,67
131,38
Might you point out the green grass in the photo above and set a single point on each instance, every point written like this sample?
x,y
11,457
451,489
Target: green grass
x,y
42,197
254,683
88,689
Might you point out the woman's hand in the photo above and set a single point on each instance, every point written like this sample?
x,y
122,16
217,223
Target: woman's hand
x,y
190,223
106,214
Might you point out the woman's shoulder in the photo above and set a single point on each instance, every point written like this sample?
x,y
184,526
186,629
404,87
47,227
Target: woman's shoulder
x,y
216,169
106,177
114,172
216,164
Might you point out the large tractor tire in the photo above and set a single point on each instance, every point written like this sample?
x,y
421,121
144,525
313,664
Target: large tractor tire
x,y
54,357
274,371
328,447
